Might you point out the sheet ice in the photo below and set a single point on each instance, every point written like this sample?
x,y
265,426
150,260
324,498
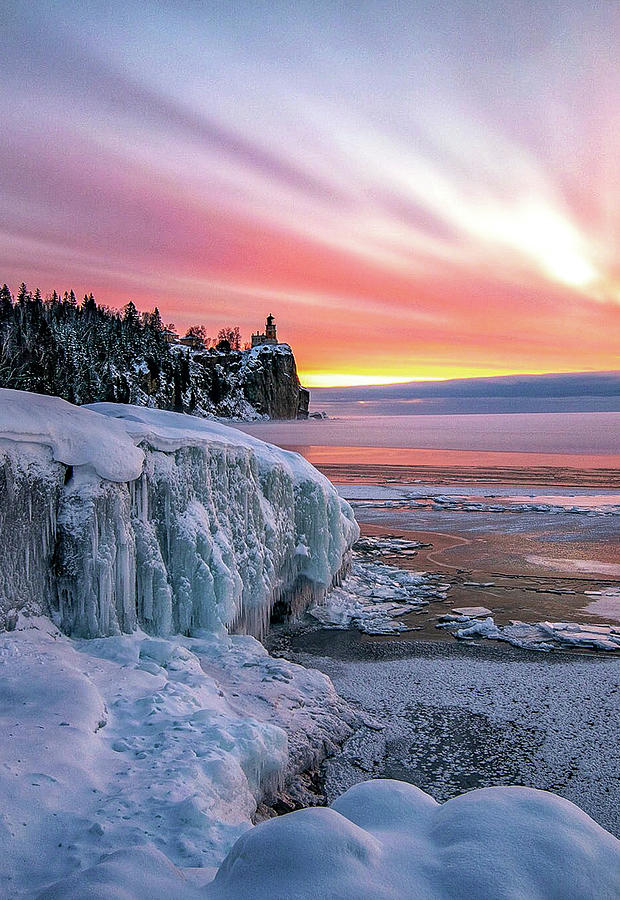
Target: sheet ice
x,y
157,519
532,635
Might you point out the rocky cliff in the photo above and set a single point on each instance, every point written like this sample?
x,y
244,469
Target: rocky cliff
x,y
247,383
87,354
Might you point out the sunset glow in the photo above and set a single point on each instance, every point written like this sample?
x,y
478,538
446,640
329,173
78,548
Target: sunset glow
x,y
414,190
342,379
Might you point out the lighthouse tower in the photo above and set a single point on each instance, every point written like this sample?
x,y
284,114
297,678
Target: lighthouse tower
x,y
270,330
269,336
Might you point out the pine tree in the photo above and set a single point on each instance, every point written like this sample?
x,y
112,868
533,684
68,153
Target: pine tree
x,y
6,303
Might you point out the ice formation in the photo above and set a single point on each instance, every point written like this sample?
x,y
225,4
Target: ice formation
x,y
157,519
544,636
154,536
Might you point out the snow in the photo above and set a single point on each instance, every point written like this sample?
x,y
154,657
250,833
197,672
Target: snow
x,y
451,718
161,747
142,527
166,521
384,840
135,751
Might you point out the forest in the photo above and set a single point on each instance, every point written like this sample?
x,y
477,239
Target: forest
x,y
85,352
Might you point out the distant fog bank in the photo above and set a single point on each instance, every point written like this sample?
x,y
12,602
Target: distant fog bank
x,y
568,392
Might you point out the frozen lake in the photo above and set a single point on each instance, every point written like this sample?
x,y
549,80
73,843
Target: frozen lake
x,y
578,439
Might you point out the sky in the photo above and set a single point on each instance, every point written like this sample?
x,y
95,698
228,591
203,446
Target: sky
x,y
415,190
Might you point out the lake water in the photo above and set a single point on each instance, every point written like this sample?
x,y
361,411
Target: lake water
x,y
588,440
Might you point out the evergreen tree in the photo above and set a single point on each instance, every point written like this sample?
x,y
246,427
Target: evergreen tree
x,y
131,317
23,295
6,303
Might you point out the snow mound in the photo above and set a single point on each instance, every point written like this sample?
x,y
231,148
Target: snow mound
x,y
384,840
387,840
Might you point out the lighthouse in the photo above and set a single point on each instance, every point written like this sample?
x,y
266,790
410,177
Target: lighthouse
x,y
269,335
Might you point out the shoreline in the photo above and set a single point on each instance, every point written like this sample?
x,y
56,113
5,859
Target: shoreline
x,y
519,475
514,593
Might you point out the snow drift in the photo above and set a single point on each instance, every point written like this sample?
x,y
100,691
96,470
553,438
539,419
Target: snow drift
x,y
114,517
145,744
387,840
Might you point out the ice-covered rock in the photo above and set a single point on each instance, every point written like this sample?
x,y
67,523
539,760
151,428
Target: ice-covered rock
x,y
153,518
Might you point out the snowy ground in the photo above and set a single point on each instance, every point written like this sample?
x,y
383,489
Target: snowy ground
x,y
131,741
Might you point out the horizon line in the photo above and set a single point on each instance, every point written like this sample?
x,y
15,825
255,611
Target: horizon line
x,y
326,380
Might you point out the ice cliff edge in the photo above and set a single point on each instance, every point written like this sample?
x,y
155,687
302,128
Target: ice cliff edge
x,y
115,516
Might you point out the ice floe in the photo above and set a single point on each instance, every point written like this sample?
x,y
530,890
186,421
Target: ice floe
x,y
374,596
533,636
464,504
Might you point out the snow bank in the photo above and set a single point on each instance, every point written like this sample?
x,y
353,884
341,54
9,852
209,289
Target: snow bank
x,y
136,528
134,746
76,436
387,840
159,519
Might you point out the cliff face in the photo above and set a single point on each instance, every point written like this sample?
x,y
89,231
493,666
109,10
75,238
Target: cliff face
x,y
246,384
270,382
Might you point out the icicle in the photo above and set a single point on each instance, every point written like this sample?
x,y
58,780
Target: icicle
x,y
211,536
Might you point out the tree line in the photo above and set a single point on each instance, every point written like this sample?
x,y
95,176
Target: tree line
x,y
85,352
